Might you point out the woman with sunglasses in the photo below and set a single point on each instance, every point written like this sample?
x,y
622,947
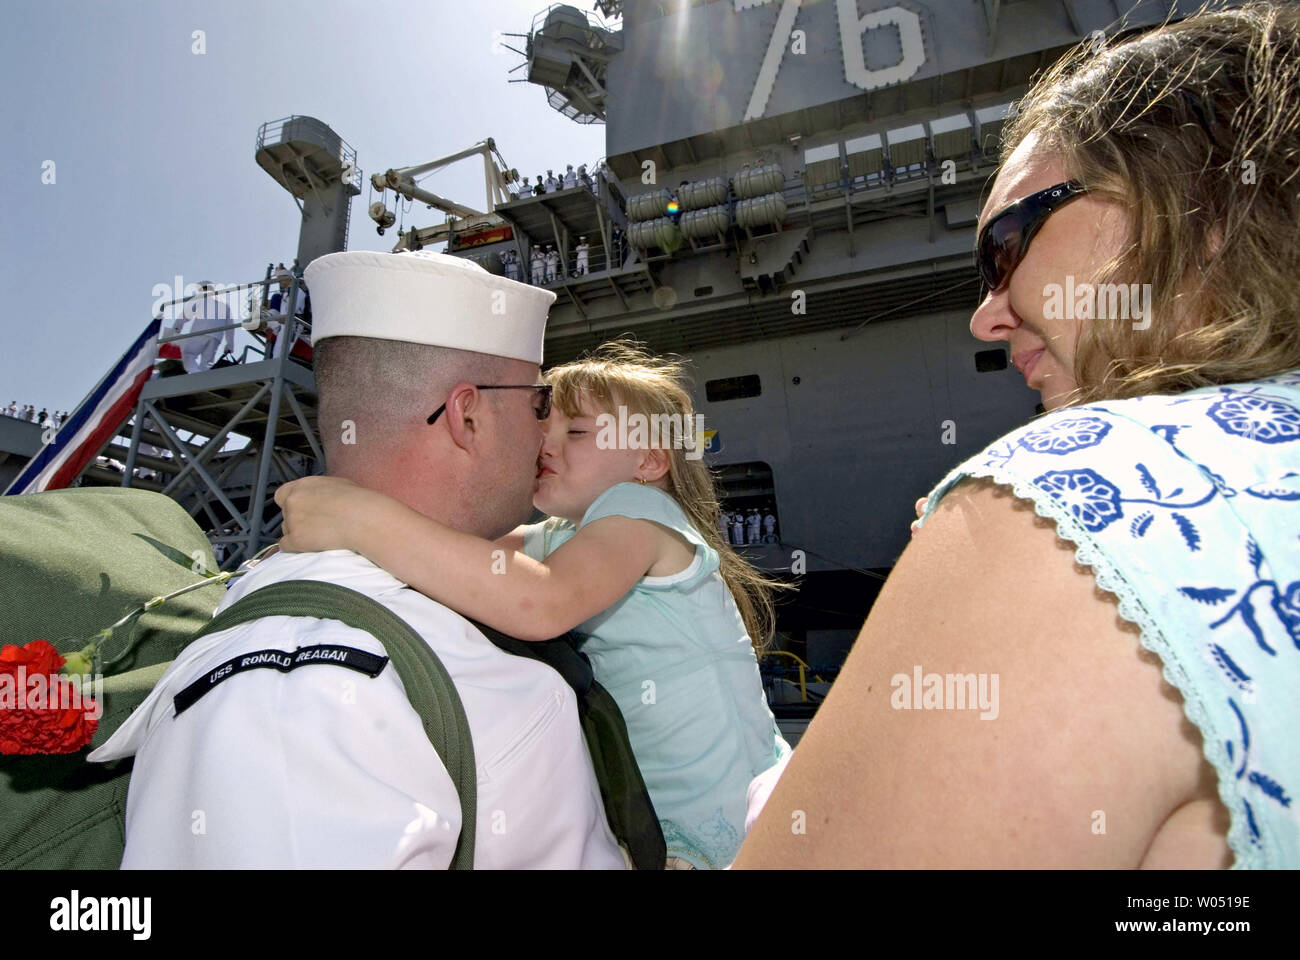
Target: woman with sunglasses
x,y
1088,655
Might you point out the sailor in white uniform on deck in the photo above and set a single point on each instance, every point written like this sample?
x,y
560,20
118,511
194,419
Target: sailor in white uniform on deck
x,y
325,766
552,263
583,250
206,311
538,267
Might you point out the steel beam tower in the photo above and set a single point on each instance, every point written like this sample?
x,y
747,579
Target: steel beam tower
x,y
203,481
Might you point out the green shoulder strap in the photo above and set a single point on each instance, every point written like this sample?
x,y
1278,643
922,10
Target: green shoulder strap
x,y
430,689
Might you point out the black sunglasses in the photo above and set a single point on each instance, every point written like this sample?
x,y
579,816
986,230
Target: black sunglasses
x,y
542,411
1004,240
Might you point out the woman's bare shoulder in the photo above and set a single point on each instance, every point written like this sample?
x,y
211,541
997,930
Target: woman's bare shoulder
x,y
995,710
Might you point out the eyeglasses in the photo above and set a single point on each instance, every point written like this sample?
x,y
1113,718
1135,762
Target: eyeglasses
x,y
1004,240
543,411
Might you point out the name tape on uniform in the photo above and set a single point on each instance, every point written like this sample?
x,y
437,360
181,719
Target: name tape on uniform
x,y
283,660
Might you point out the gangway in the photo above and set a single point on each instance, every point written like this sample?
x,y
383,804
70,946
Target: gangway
x,y
219,441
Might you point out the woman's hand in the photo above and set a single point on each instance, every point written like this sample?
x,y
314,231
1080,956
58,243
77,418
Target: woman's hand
x,y
323,513
920,509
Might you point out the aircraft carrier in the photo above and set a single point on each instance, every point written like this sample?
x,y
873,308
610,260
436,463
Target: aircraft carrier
x,y
787,198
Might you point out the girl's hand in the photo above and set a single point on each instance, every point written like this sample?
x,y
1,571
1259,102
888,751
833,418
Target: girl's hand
x,y
322,513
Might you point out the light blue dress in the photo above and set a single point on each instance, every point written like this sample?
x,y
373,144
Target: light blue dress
x,y
674,655
1187,509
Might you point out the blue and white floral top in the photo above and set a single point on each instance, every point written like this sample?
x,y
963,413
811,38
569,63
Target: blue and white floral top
x,y
1187,508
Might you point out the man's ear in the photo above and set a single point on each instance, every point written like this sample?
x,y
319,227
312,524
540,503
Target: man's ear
x,y
653,465
464,408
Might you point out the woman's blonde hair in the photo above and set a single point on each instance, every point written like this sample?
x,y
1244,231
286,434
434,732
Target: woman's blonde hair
x,y
624,373
1195,128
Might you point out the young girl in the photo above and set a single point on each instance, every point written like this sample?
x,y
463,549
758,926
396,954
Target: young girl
x,y
632,560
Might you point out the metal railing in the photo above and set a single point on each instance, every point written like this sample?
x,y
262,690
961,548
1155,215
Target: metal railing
x,y
313,131
593,21
803,670
220,290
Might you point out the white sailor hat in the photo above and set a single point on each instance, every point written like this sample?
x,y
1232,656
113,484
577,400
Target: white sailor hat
x,y
425,297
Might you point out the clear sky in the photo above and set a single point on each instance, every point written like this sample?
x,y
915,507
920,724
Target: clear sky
x,y
153,148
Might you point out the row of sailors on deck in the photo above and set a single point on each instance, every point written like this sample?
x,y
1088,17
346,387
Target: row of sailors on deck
x,y
544,262
544,266
28,412
552,183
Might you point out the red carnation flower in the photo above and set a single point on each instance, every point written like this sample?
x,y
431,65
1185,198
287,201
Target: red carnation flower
x,y
41,721
39,656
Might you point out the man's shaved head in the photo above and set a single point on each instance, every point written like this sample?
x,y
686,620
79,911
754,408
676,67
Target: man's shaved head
x,y
387,388
474,469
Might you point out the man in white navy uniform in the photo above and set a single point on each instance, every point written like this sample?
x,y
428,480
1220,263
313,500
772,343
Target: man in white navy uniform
x,y
205,311
323,766
538,274
583,248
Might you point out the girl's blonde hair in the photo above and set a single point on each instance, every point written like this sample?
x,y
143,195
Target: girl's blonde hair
x,y
1195,128
624,373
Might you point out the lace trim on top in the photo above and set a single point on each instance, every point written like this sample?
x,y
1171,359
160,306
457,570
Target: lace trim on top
x,y
1108,577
